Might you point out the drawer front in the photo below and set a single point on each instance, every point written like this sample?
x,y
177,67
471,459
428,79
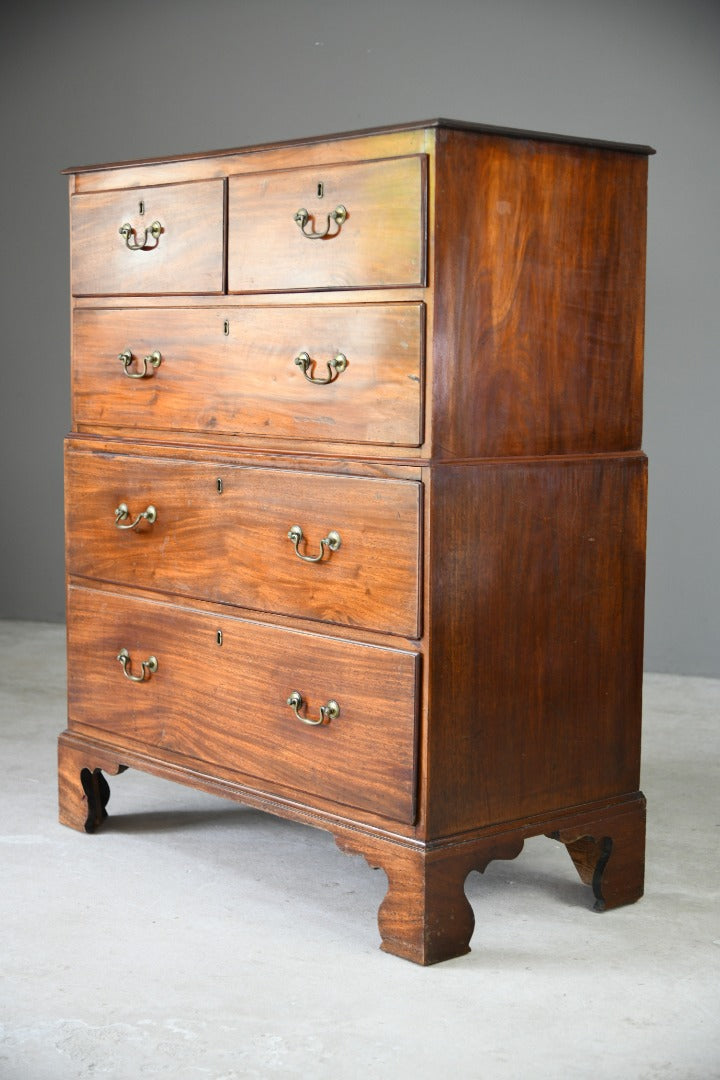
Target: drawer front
x,y
234,371
380,241
186,256
227,703
233,546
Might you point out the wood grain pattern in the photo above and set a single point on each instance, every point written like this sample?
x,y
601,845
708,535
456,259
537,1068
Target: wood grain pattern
x,y
382,242
536,607
539,298
234,548
425,916
188,258
271,158
377,134
481,623
227,703
609,854
245,380
83,791
375,468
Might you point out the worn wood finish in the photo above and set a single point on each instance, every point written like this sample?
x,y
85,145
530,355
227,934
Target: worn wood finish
x,y
188,258
539,304
411,294
83,791
480,625
345,139
425,916
280,156
381,243
536,606
216,778
228,703
372,467
609,855
372,580
232,370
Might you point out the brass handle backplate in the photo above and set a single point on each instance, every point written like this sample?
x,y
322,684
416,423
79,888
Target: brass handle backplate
x,y
122,513
149,666
154,360
335,367
329,711
338,215
332,542
130,236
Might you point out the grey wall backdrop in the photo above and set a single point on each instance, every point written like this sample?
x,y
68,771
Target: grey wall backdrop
x,y
84,82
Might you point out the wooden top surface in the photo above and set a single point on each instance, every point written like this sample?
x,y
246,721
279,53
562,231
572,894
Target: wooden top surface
x,y
458,125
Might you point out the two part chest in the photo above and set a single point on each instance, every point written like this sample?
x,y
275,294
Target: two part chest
x,y
354,495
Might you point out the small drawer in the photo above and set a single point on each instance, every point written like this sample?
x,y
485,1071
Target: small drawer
x,y
336,373
220,532
176,688
165,239
328,227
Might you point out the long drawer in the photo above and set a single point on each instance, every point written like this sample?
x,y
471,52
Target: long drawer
x,y
167,238
345,226
221,532
348,373
217,690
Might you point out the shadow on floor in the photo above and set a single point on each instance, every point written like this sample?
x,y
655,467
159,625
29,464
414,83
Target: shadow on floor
x,y
159,821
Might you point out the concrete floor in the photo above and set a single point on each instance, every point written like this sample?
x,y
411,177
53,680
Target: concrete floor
x,y
193,938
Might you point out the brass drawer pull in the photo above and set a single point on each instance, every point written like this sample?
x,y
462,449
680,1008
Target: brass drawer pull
x,y
338,215
149,666
331,542
126,359
329,711
335,367
122,512
130,235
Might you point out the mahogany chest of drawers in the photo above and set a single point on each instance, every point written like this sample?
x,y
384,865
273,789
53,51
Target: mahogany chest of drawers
x,y
355,500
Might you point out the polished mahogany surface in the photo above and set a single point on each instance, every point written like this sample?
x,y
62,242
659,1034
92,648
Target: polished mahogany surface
x,y
355,499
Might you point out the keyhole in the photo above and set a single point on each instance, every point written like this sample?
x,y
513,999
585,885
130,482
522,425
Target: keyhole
x,y
141,207
320,190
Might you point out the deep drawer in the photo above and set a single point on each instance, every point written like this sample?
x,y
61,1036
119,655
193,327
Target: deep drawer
x,y
184,255
227,703
233,546
328,227
235,371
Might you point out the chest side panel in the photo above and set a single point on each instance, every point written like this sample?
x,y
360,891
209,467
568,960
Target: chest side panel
x,y
539,298
536,622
